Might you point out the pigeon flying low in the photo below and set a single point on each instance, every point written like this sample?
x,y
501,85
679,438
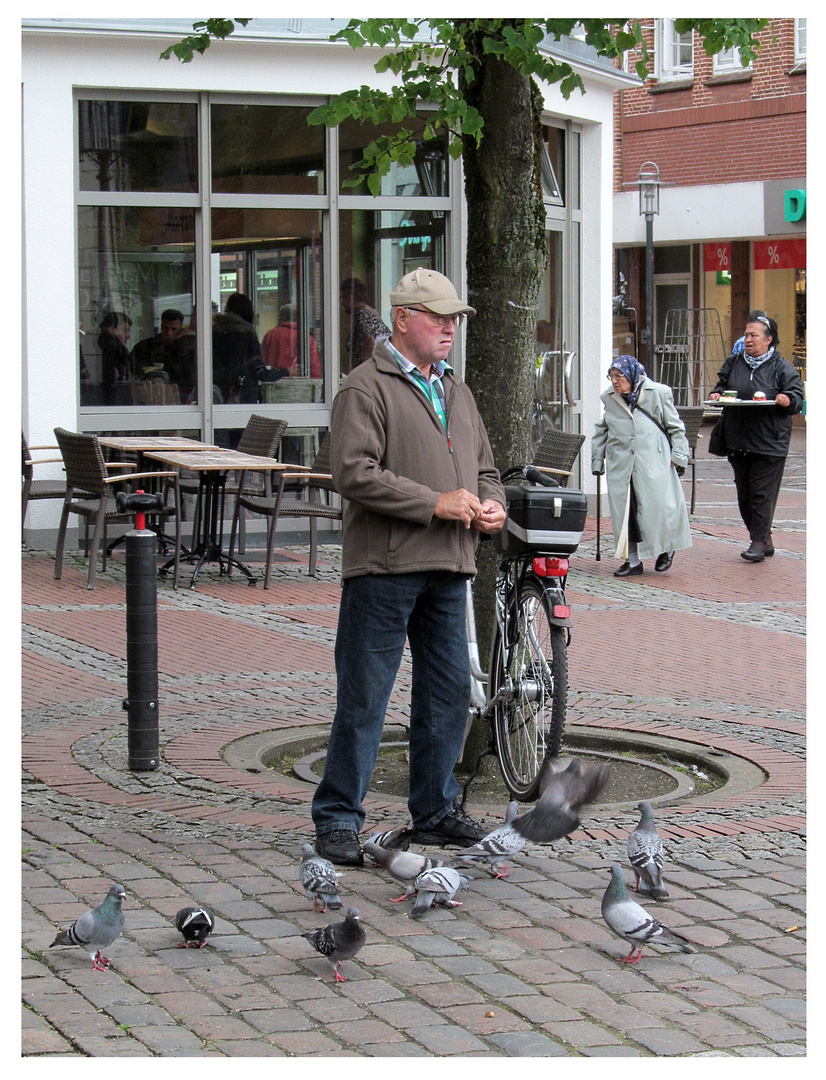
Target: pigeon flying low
x,y
97,929
339,941
645,852
493,849
436,888
405,866
319,878
633,923
563,790
196,924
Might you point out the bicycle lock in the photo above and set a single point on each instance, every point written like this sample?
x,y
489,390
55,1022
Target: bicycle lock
x,y
141,701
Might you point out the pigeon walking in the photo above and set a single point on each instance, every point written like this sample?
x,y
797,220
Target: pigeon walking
x,y
339,941
196,924
563,790
492,850
437,887
97,929
405,866
392,838
319,878
633,923
645,852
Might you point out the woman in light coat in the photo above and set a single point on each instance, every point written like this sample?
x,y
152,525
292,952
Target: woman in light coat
x,y
640,445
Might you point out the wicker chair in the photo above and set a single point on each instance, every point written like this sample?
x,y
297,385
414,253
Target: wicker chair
x,y
319,484
37,489
262,438
557,453
90,495
692,418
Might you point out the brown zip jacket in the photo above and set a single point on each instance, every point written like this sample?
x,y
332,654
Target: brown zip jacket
x,y
392,459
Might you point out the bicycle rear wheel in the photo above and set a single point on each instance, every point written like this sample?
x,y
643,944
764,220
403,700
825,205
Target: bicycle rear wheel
x,y
531,688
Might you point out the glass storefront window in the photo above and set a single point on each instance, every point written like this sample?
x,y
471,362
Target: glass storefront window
x,y
377,248
136,285
426,175
137,146
268,331
266,150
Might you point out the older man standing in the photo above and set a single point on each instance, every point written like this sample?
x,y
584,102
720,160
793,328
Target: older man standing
x,y
411,457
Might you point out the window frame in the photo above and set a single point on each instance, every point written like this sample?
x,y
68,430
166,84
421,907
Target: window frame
x,y
667,40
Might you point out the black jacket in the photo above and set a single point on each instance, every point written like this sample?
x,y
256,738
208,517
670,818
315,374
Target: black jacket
x,y
766,429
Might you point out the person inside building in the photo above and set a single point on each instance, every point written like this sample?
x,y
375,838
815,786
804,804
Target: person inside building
x,y
366,325
237,363
756,439
280,345
151,355
115,359
417,495
641,446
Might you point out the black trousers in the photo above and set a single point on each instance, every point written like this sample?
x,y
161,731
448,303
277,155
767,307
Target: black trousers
x,y
757,479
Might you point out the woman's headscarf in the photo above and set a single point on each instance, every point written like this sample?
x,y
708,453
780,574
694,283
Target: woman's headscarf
x,y
634,372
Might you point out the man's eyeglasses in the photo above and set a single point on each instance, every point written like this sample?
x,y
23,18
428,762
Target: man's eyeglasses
x,y
444,321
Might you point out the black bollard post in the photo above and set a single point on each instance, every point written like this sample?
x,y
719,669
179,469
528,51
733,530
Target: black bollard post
x,y
141,634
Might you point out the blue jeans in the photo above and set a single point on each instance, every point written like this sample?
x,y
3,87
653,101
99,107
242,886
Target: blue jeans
x,y
377,613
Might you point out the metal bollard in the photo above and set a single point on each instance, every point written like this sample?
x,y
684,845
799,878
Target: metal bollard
x,y
141,633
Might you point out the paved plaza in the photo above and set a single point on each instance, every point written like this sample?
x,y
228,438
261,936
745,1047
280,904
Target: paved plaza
x,y
711,655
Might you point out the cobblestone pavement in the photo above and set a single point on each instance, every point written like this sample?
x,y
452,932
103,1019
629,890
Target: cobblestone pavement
x,y
710,656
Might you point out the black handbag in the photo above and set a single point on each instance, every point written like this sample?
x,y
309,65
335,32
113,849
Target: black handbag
x,y
717,439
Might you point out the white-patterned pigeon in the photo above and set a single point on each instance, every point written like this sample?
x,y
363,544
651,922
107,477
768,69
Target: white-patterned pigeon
x,y
392,838
405,866
437,887
339,941
645,851
492,850
320,880
196,924
633,923
97,929
563,790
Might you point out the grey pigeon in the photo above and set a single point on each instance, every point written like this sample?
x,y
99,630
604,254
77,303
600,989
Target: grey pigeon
x,y
437,887
501,844
633,923
339,941
405,866
645,852
196,924
563,790
320,880
392,838
97,929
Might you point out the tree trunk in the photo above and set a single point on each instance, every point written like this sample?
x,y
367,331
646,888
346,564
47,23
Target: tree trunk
x,y
506,258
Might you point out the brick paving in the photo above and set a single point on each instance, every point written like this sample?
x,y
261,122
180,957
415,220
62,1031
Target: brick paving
x,y
711,656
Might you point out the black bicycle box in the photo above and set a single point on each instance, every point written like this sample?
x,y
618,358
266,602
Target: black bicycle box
x,y
542,520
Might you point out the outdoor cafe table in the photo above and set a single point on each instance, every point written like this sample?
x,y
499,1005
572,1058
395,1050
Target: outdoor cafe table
x,y
212,467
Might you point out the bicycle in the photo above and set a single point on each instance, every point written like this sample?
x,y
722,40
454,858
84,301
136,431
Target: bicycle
x,y
524,696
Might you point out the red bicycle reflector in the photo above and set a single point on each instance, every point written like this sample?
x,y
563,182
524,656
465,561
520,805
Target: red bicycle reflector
x,y
561,611
550,567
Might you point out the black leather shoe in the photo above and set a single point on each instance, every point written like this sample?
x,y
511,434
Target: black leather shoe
x,y
627,570
755,552
455,828
341,846
664,562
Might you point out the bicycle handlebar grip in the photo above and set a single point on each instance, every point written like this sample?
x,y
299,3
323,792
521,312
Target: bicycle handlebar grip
x,y
536,477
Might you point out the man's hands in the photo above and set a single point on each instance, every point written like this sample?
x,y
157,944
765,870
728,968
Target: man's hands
x,y
464,506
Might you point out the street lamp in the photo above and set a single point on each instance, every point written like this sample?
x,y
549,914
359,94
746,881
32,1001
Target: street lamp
x,y
649,185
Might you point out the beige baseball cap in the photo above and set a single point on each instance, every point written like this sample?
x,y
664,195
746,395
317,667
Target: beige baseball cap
x,y
431,290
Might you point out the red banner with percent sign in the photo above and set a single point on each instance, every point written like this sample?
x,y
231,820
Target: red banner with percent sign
x,y
717,256
780,254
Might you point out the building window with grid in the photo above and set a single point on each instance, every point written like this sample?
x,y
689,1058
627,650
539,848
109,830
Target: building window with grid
x,y
800,41
674,53
729,62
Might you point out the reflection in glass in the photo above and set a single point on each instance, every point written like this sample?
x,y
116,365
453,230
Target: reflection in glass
x,y
273,258
135,275
137,146
426,175
377,248
266,149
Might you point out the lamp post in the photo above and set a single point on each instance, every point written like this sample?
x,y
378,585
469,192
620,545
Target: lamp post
x,y
649,186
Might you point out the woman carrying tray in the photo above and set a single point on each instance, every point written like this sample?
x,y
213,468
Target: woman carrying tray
x,y
640,444
757,439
